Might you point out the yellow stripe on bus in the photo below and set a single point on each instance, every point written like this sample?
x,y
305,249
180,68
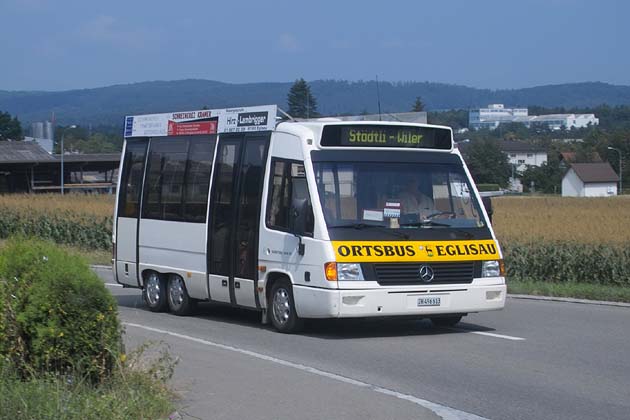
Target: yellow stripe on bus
x,y
415,251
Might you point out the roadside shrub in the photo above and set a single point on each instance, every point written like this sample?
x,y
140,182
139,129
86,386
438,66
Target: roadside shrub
x,y
488,187
567,262
55,314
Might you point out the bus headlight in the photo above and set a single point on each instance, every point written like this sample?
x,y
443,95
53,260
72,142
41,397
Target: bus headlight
x,y
493,268
349,272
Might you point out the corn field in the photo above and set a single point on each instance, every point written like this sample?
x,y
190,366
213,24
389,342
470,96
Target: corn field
x,y
553,239
79,220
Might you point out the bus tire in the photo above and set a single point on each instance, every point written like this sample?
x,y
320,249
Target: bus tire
x,y
446,321
179,302
154,292
282,308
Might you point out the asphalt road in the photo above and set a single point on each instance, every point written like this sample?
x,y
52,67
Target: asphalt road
x,y
533,360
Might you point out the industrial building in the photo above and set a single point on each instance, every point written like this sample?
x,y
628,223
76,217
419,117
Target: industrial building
x,y
497,114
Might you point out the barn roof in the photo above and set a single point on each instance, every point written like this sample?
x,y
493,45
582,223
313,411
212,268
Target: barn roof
x,y
595,172
23,152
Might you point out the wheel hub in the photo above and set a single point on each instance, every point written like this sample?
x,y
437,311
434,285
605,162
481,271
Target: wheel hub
x,y
176,290
281,306
153,289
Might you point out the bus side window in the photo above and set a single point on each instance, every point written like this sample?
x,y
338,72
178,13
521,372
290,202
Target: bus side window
x,y
288,182
131,179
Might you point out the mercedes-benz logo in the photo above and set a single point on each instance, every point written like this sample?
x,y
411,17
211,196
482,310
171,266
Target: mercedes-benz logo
x,y
426,274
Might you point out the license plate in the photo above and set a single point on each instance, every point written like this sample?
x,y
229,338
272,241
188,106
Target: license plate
x,y
430,301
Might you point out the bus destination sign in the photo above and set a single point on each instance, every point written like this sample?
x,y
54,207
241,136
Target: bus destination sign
x,y
365,135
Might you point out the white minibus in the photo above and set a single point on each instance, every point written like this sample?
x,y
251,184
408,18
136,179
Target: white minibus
x,y
302,219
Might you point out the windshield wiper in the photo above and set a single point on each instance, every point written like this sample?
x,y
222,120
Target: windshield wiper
x,y
360,226
427,222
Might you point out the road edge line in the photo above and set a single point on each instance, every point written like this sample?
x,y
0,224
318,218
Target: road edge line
x,y
569,300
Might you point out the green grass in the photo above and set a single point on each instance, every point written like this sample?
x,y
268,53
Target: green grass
x,y
92,256
133,397
569,289
138,389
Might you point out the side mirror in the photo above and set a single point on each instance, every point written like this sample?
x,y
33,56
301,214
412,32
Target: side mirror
x,y
487,203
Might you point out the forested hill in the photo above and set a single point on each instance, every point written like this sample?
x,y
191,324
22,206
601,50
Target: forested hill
x,y
108,105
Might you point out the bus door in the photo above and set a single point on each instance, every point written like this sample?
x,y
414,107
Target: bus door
x,y
234,218
129,195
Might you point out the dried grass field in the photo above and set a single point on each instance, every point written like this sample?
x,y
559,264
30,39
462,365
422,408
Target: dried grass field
x,y
568,219
69,204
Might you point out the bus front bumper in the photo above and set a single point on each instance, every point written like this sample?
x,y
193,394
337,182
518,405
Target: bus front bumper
x,y
443,299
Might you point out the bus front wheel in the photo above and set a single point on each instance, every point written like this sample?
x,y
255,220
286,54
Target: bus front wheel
x,y
281,308
154,292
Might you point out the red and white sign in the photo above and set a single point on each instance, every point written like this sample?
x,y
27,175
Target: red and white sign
x,y
191,128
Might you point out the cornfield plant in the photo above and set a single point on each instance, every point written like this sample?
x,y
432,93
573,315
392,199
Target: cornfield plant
x,y
79,220
569,262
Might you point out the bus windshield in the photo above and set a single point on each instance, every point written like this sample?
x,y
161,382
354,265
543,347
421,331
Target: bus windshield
x,y
396,195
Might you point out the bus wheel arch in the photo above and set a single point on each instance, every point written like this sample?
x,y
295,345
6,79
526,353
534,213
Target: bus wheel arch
x,y
281,309
154,290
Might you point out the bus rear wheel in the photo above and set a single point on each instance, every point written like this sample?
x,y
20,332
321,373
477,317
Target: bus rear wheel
x,y
446,321
179,302
154,292
281,308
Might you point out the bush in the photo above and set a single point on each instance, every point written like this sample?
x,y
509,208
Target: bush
x,y
55,314
488,187
568,262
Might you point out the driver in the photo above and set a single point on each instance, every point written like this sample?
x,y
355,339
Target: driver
x,y
412,201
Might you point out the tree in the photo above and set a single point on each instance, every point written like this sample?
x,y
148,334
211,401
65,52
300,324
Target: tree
x,y
10,128
487,163
547,178
302,103
418,105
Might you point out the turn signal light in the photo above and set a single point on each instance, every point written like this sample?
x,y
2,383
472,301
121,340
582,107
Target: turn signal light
x,y
502,268
330,269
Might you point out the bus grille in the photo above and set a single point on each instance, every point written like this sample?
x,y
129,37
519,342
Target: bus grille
x,y
408,273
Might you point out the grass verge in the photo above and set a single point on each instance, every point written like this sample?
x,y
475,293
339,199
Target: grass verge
x,y
92,256
572,290
132,392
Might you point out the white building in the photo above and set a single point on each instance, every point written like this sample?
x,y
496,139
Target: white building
x,y
590,180
496,114
523,154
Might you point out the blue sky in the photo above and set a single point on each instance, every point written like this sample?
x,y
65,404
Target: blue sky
x,y
67,44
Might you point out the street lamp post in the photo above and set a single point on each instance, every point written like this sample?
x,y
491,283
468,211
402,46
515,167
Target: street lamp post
x,y
620,169
62,149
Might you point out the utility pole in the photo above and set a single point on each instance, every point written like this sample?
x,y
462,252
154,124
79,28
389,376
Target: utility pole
x,y
620,169
62,149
